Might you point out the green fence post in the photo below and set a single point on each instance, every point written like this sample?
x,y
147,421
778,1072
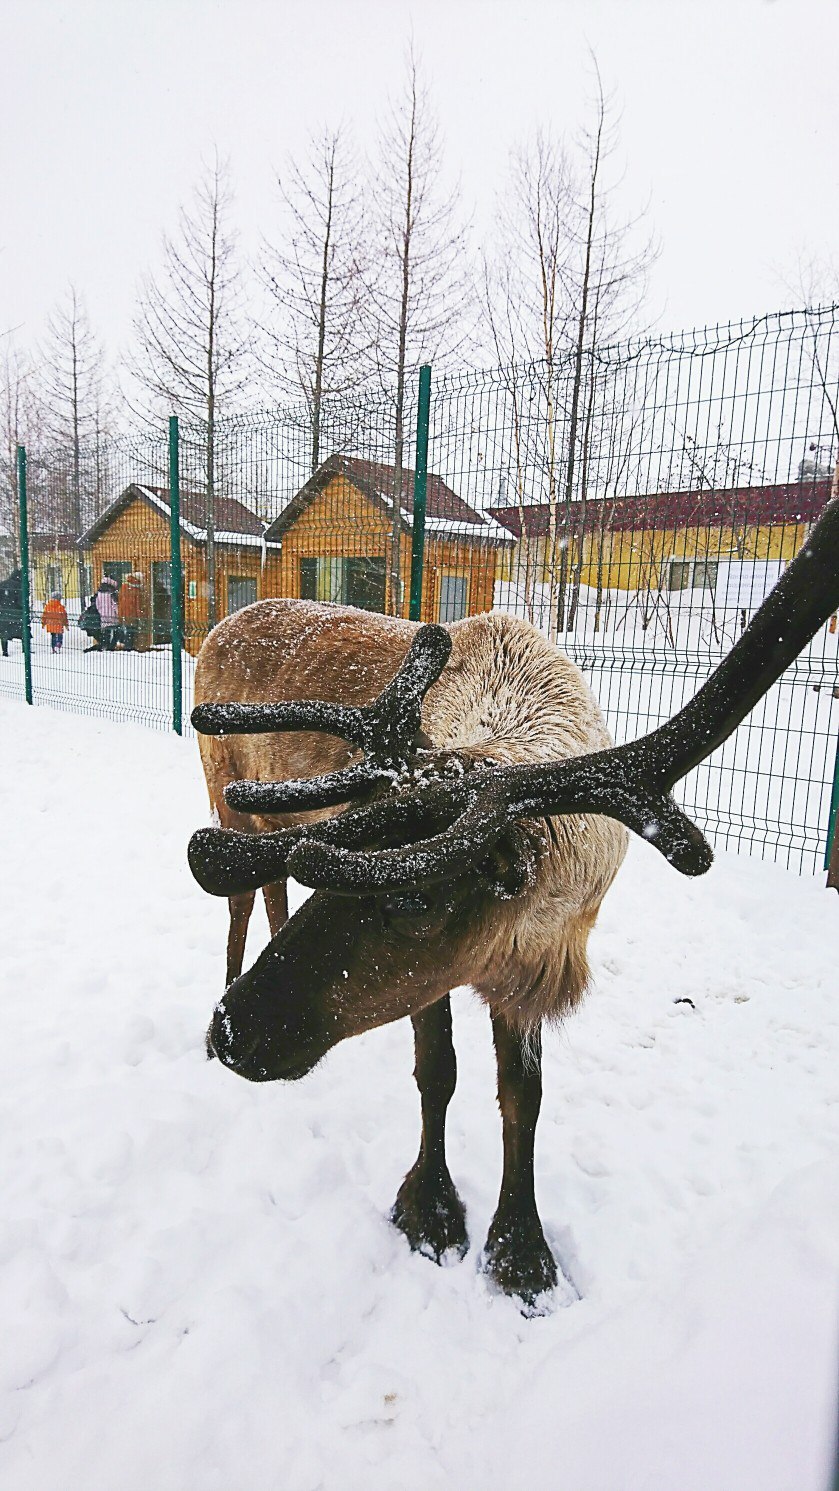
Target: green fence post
x,y
176,575
420,489
25,638
834,810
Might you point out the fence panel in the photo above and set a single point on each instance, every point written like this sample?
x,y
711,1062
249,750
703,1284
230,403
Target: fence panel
x,y
698,466
93,519
635,505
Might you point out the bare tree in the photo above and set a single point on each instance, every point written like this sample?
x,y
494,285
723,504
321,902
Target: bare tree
x,y
417,288
194,350
20,424
74,399
314,279
575,275
815,286
527,310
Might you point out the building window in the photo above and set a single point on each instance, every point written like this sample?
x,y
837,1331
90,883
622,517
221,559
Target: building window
x,y
55,580
691,574
241,591
308,579
453,595
116,569
705,575
364,584
359,581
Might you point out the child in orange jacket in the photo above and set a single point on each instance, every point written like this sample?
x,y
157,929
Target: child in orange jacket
x,y
54,620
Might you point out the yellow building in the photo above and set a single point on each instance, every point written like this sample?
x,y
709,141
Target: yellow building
x,y
665,541
333,541
54,568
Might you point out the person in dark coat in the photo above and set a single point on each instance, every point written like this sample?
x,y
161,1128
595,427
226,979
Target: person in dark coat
x,y
11,609
91,623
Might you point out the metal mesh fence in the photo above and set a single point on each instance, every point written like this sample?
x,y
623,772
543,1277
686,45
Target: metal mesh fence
x,y
113,664
635,503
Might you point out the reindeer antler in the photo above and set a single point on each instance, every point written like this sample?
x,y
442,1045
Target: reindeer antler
x,y
463,815
385,731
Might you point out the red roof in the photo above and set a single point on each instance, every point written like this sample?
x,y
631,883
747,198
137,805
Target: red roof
x,y
231,515
378,483
44,543
784,502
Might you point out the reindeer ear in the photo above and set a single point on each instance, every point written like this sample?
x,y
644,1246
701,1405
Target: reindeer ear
x,y
508,866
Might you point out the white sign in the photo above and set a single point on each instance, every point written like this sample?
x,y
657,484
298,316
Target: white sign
x,y
743,584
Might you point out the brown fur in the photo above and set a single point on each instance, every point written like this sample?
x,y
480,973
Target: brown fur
x,y
505,695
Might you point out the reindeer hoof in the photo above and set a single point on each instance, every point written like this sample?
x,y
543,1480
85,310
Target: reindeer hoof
x,y
431,1215
518,1261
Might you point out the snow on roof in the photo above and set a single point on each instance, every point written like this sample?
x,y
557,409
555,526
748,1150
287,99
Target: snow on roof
x,y
241,526
446,512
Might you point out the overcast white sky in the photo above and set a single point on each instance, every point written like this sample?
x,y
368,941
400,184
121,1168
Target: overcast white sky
x,y
730,125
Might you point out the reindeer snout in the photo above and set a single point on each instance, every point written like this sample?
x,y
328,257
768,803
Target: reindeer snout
x,y
258,1036
231,1045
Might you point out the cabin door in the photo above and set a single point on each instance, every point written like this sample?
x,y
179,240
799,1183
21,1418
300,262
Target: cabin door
x,y
453,591
161,601
241,591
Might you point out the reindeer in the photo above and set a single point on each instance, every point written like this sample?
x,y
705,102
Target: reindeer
x,y
453,798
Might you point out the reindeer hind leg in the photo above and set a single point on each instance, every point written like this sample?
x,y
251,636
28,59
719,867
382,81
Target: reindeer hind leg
x,y
516,1256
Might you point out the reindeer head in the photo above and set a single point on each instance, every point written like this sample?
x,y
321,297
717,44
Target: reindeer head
x,y
419,883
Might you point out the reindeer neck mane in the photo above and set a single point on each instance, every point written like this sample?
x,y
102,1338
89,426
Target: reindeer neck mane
x,y
507,691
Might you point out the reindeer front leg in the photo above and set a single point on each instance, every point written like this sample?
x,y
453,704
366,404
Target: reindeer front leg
x,y
428,1208
517,1257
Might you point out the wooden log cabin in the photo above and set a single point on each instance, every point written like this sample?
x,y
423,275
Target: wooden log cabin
x,y
132,537
332,543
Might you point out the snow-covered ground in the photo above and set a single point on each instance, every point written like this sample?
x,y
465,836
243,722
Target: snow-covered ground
x,y
199,1290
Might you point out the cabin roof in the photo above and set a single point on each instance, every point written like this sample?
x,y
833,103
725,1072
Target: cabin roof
x,y
235,523
52,541
446,512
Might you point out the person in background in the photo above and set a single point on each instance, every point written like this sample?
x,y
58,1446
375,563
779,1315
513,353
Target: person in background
x,y
105,601
91,624
54,621
11,610
129,608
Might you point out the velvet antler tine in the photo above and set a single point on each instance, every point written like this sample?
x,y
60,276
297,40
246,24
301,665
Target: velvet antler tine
x,y
301,795
349,872
227,863
259,719
371,726
424,662
393,720
607,783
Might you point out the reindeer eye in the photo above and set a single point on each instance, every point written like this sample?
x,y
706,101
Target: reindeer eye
x,y
407,906
415,914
